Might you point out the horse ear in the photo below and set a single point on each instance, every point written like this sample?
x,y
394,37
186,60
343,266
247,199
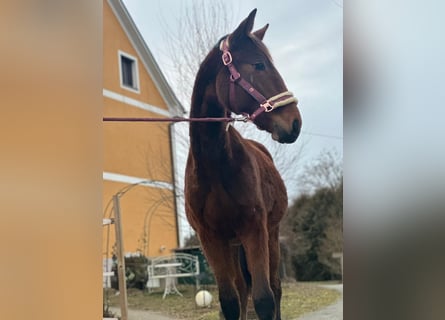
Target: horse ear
x,y
261,32
243,29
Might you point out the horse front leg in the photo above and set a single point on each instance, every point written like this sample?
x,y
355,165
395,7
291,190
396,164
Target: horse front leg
x,y
243,281
243,296
274,262
256,245
223,259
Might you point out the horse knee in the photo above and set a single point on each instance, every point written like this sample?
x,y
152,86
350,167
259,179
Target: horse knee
x,y
265,307
230,308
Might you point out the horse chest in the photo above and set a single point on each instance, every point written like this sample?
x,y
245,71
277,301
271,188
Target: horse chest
x,y
223,214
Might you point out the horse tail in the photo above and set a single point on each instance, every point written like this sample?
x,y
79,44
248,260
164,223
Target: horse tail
x,y
243,265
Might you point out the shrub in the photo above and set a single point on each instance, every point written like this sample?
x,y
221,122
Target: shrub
x,y
136,273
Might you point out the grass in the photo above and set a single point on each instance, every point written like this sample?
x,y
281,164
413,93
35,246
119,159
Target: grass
x,y
298,299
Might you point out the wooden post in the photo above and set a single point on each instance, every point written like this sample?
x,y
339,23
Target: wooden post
x,y
120,258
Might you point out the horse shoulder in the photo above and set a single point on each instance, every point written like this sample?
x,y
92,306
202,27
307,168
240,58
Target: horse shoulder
x,y
274,192
260,147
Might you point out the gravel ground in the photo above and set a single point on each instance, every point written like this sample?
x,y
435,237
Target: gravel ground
x,y
142,315
331,312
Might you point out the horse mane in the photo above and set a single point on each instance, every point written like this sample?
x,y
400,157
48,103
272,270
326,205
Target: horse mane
x,y
208,70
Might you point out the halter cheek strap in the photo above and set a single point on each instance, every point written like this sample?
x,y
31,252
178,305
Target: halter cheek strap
x,y
266,105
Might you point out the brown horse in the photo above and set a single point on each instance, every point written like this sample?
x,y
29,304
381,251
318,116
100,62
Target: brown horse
x,y
235,197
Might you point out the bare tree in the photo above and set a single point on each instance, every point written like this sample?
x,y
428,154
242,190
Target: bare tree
x,y
164,201
199,26
325,172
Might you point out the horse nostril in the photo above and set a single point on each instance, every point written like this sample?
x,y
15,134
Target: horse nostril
x,y
296,127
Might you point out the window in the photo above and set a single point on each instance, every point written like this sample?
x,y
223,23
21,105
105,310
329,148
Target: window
x,y
128,72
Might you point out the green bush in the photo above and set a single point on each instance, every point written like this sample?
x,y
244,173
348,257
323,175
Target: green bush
x,y
314,231
136,273
313,227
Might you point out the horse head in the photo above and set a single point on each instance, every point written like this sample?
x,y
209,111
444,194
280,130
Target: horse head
x,y
251,84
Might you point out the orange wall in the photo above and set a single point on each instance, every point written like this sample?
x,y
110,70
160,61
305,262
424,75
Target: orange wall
x,y
115,39
147,215
136,149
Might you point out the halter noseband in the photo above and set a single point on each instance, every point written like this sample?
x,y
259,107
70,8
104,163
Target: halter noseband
x,y
266,105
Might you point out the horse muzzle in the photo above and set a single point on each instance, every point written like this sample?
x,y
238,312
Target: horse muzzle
x,y
287,136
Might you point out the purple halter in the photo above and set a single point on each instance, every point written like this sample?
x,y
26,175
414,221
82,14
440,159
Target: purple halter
x,y
266,105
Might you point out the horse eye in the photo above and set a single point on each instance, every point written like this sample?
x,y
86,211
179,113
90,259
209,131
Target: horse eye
x,y
259,66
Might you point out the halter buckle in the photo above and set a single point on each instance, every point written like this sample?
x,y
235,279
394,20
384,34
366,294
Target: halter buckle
x,y
227,58
235,76
267,106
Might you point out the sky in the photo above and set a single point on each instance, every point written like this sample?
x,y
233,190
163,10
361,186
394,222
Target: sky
x,y
305,39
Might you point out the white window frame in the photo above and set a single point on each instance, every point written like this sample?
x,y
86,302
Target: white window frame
x,y
135,72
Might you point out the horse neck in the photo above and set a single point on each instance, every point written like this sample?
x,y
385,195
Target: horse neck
x,y
210,142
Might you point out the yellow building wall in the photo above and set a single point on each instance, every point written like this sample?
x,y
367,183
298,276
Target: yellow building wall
x,y
115,39
148,224
138,150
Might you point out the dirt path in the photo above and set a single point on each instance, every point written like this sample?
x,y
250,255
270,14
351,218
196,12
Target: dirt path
x,y
331,312
142,315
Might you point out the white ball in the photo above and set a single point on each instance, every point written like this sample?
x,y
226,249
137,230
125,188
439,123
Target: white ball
x,y
203,298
